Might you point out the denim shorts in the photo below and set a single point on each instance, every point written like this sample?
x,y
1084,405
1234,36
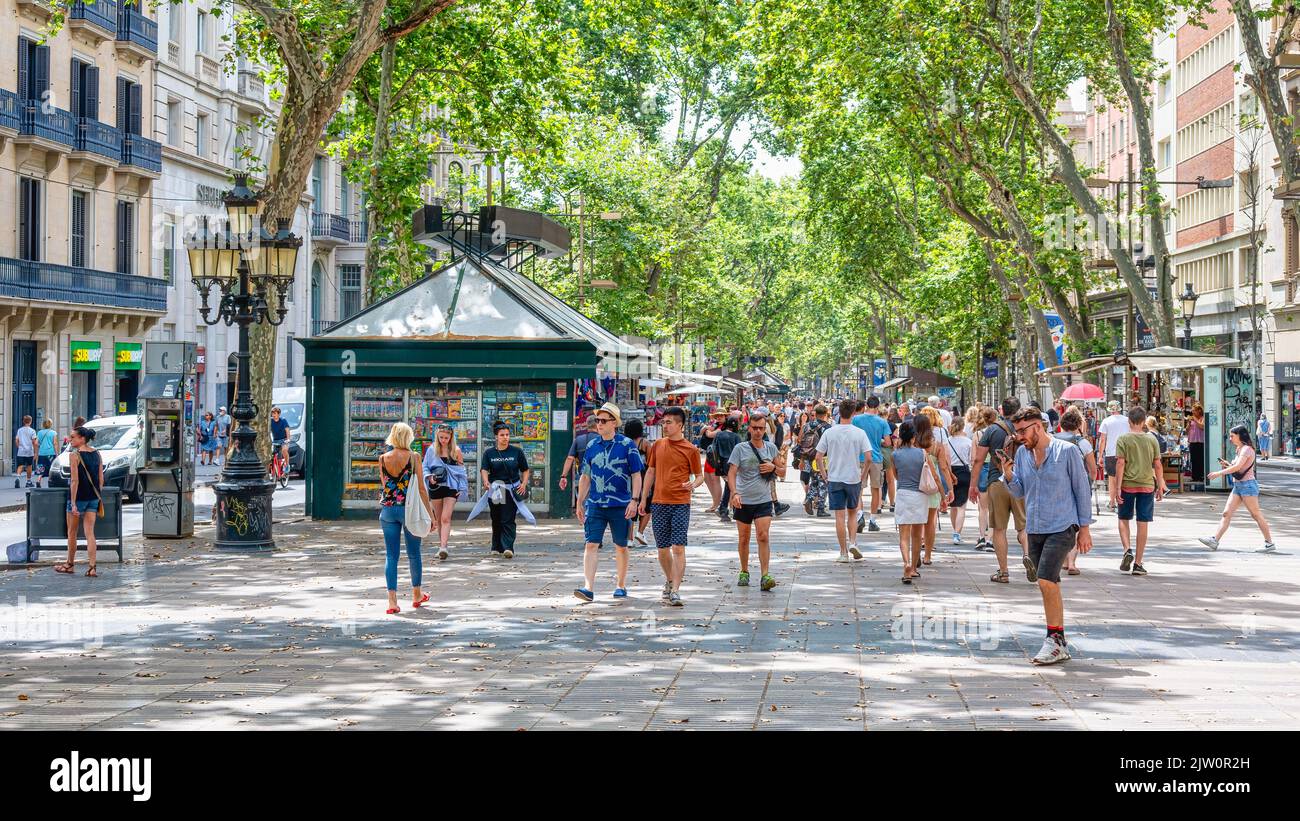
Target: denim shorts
x,y
1144,504
1050,550
93,504
845,495
1248,487
984,478
599,517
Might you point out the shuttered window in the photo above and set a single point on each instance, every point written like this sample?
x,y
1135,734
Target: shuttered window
x,y
125,237
33,70
129,106
29,218
78,229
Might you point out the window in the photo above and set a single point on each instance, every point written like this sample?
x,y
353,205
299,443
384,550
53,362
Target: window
x,y
201,33
125,237
77,253
85,90
1205,133
129,106
317,175
1207,59
1164,154
1121,142
1213,273
1162,89
175,16
1167,221
33,70
29,218
1248,111
202,136
169,251
1248,193
349,290
174,124
1204,205
1246,271
345,195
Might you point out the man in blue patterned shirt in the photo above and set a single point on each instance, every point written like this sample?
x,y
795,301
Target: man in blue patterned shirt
x,y
609,493
1048,473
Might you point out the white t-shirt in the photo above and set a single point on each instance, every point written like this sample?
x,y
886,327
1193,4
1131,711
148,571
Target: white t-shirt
x,y
26,441
1085,447
845,447
1113,426
946,416
959,450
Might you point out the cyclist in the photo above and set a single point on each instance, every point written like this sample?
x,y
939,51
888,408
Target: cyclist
x,y
280,438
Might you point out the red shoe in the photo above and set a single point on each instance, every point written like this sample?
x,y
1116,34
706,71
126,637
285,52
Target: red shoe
x,y
421,601
390,611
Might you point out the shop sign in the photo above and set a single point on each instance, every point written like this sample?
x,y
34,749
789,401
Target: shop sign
x,y
86,355
128,356
200,359
879,372
990,367
1286,372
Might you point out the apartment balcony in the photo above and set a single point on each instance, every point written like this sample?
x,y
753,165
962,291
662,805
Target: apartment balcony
x,y
10,118
40,9
137,35
97,148
359,231
174,54
97,20
330,229
47,282
141,156
207,70
319,326
251,87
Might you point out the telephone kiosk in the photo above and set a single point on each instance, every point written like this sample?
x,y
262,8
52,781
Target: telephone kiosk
x,y
167,468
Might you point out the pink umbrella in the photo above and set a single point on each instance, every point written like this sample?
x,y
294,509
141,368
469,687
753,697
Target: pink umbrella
x,y
1083,392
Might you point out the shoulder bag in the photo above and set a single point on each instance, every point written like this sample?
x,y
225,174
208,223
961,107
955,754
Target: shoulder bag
x,y
418,520
929,483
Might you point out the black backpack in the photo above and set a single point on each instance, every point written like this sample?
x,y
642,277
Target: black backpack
x,y
720,451
812,434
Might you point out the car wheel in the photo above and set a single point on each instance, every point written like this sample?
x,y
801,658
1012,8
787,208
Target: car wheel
x,y
131,489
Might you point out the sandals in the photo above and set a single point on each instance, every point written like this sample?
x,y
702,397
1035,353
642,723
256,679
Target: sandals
x,y
90,571
907,574
1002,577
421,601
1073,571
63,567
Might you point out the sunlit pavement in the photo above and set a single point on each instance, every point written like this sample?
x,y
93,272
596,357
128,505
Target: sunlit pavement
x,y
180,636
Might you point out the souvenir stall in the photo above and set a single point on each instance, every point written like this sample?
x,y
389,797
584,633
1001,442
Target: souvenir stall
x,y
471,343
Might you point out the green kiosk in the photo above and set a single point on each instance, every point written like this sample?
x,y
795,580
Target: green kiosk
x,y
470,343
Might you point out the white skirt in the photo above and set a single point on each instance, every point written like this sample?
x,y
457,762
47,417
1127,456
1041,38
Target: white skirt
x,y
911,507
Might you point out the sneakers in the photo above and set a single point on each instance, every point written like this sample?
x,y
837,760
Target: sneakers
x,y
640,539
1139,570
823,513
668,591
1126,563
583,594
674,599
767,583
872,526
842,558
442,553
808,507
956,538
1031,569
1210,542
1269,547
862,525
1052,652
724,518
742,580
857,554
30,483
620,592
508,554
779,508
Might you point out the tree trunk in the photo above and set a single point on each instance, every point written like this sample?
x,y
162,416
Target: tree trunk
x,y
1265,80
379,141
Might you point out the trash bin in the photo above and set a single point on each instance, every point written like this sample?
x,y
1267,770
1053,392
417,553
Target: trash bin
x,y
47,522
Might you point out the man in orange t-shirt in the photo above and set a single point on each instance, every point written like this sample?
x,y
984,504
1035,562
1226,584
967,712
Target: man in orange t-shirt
x,y
673,473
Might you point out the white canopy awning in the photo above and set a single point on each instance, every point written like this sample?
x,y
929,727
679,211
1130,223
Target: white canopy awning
x,y
691,390
896,382
1169,359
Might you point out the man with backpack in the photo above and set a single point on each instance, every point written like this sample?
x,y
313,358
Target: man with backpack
x,y
577,450
719,454
998,443
815,500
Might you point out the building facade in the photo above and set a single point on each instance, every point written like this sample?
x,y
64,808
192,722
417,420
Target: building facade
x,y
79,162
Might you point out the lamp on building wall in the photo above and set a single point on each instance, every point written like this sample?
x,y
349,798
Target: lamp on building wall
x,y
252,271
1188,299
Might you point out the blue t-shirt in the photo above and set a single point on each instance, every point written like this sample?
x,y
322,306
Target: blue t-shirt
x,y
45,442
279,430
611,466
876,429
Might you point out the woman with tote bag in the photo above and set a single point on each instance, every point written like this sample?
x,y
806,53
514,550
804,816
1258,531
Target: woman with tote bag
x,y
396,468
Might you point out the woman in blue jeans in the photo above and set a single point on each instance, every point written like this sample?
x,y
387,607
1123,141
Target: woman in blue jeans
x,y
396,468
1245,490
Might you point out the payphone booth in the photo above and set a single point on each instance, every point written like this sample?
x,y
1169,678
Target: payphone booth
x,y
166,455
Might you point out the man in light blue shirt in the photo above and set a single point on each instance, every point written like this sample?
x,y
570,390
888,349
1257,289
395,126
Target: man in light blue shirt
x,y
1048,473
876,429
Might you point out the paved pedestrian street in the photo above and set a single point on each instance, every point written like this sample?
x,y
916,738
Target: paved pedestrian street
x,y
182,636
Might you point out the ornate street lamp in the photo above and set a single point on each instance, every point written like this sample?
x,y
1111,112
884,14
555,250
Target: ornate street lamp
x,y
1188,299
246,264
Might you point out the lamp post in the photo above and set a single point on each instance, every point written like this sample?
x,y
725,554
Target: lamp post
x,y
1188,299
245,263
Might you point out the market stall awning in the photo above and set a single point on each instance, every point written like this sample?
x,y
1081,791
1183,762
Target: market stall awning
x,y
896,382
475,298
1081,366
702,378
1170,359
692,390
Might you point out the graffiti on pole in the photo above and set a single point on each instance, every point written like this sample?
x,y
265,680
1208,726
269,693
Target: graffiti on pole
x,y
1238,399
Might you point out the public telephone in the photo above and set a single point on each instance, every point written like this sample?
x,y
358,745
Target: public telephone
x,y
163,432
162,440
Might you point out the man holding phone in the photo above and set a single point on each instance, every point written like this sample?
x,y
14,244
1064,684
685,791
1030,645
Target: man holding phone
x,y
1049,474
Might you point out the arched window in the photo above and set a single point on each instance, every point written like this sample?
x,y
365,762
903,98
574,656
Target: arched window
x,y
317,274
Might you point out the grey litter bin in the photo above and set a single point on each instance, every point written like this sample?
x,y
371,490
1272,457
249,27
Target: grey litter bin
x,y
47,521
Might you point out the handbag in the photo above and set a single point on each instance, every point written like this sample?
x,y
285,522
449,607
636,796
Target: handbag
x,y
418,520
99,511
929,483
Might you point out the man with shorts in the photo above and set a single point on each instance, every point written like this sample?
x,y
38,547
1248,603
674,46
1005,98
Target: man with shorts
x,y
877,430
224,423
673,473
751,468
996,440
609,494
845,453
1108,434
25,444
1048,474
1138,484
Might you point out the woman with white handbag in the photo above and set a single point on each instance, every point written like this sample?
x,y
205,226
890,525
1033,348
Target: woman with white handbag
x,y
396,468
916,481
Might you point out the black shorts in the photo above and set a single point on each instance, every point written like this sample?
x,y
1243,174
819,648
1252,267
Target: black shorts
x,y
746,514
443,492
1049,551
961,490
26,461
805,476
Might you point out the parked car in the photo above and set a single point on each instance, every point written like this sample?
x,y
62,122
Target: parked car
x,y
292,403
116,438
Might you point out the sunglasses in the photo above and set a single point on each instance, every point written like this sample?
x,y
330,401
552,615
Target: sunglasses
x,y
1024,430
600,420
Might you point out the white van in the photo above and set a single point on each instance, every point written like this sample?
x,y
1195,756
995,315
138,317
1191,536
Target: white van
x,y
292,403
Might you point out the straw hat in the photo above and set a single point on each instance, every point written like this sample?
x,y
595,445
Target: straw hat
x,y
612,410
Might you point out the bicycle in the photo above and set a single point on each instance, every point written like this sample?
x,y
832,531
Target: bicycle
x,y
280,468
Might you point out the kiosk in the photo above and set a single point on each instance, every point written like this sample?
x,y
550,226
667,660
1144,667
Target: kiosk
x,y
166,455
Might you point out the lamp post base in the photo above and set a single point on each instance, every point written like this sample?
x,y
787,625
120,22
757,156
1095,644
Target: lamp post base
x,y
244,515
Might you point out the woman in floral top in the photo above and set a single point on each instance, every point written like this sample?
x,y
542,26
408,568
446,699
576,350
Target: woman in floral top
x,y
396,467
